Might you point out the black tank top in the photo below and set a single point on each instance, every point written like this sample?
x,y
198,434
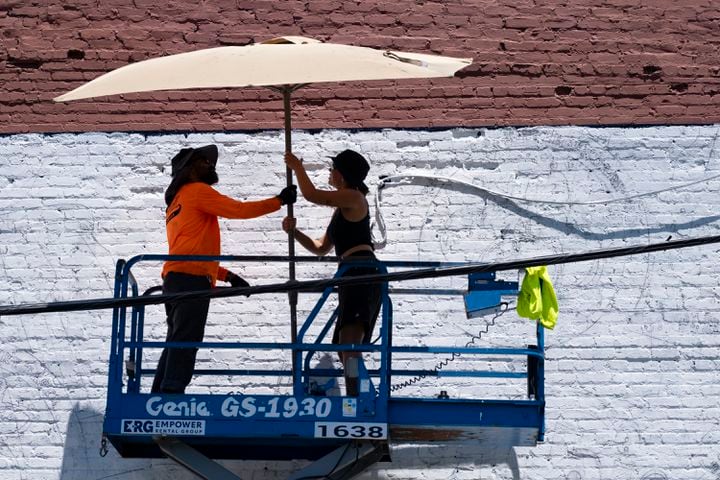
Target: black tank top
x,y
346,234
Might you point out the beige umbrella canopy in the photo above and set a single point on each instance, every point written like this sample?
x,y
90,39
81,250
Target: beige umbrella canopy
x,y
283,64
281,61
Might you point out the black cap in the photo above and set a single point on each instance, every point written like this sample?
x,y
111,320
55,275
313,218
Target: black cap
x,y
352,166
187,155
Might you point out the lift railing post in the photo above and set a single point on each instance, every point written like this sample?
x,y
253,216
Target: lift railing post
x,y
124,278
139,351
386,325
113,360
541,377
132,353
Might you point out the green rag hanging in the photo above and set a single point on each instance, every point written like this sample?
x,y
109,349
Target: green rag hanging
x,y
537,300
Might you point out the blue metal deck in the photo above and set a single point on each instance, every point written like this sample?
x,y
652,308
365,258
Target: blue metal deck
x,y
304,424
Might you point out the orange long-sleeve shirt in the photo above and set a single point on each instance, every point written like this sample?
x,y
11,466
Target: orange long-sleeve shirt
x,y
192,226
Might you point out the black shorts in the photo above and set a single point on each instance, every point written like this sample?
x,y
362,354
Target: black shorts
x,y
359,304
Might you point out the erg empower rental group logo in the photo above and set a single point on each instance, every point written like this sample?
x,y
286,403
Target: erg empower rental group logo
x,y
163,427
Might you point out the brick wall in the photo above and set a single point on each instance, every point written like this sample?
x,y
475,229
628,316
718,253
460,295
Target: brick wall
x,y
632,367
536,63
632,372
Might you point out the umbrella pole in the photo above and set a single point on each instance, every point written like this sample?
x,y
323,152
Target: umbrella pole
x,y
292,296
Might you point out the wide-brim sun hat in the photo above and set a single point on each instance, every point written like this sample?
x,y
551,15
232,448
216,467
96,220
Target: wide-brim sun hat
x,y
187,155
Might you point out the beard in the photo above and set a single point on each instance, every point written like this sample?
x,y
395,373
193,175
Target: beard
x,y
210,177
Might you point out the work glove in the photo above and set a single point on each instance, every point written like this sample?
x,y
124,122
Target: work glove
x,y
236,280
288,195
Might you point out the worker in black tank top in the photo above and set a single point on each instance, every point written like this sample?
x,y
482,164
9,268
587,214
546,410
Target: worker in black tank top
x,y
345,234
349,233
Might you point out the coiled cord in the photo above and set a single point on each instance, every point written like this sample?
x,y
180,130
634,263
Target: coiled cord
x,y
504,307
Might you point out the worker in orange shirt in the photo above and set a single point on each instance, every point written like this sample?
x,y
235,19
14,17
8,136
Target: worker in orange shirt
x,y
191,220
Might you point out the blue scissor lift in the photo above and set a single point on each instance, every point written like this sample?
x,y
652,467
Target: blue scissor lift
x,y
343,434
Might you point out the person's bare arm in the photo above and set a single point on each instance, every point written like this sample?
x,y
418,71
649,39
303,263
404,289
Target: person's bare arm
x,y
319,247
345,198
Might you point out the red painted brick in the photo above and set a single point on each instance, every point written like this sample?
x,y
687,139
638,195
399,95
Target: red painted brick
x,y
31,12
359,7
376,19
416,19
469,10
319,6
523,52
521,23
482,102
391,7
572,101
452,20
355,115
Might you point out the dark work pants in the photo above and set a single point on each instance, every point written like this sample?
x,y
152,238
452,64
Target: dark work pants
x,y
359,304
186,323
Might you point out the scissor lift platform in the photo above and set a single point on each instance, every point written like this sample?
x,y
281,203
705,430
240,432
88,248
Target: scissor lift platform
x,y
495,423
307,423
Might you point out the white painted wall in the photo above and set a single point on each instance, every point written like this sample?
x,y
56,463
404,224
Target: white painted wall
x,y
632,374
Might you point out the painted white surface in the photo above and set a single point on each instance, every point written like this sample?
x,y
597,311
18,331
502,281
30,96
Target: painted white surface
x,y
632,376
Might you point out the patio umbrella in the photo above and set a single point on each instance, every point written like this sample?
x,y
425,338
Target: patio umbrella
x,y
283,64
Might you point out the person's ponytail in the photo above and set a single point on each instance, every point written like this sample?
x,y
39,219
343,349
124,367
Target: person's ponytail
x,y
175,185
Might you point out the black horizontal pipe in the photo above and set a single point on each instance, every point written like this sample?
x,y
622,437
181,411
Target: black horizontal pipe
x,y
314,285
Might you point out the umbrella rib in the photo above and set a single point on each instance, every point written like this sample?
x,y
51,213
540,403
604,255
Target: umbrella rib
x,y
411,61
291,88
